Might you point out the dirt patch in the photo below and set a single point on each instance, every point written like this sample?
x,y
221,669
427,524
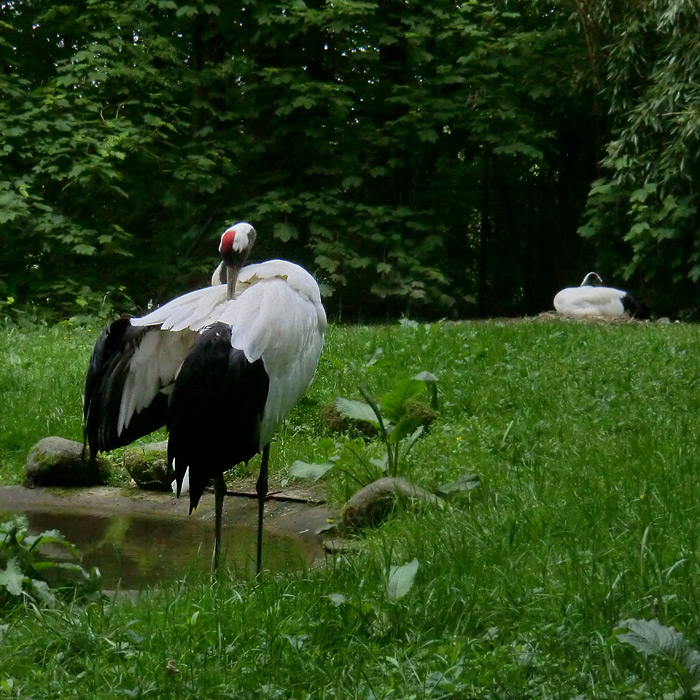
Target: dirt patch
x,y
293,511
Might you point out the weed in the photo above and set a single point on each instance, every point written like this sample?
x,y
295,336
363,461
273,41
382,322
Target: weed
x,y
25,573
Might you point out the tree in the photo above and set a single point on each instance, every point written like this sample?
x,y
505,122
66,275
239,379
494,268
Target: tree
x,y
422,158
643,211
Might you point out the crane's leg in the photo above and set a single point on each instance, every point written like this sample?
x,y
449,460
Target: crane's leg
x,y
261,488
219,493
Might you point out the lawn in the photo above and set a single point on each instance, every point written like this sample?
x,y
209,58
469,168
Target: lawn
x,y
586,439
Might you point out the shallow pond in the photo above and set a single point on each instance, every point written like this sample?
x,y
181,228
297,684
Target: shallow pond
x,y
147,543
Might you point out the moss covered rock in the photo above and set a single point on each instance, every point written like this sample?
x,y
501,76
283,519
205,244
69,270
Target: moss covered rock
x,y
55,461
148,466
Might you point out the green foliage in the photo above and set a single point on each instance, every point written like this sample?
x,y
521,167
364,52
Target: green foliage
x,y
396,420
643,212
389,148
304,470
464,482
25,574
397,425
380,610
401,579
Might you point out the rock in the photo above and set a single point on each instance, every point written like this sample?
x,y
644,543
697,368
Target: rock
x,y
55,461
340,546
423,411
373,503
337,423
148,466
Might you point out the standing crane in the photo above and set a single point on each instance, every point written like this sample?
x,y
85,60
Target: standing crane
x,y
221,367
591,298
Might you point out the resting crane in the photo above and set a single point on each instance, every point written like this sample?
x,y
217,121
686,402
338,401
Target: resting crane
x,y
593,299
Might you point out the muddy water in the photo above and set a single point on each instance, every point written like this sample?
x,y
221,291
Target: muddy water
x,y
151,542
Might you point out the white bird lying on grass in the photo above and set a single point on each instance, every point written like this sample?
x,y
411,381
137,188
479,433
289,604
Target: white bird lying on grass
x,y
592,299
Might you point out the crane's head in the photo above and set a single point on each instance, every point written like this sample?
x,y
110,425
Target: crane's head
x,y
592,279
236,243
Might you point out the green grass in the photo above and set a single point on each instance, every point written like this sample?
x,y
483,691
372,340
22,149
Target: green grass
x,y
587,441
42,372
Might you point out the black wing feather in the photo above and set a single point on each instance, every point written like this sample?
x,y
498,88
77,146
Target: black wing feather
x,y
109,365
634,307
215,410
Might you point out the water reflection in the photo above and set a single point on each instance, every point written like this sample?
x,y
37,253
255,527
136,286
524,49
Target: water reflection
x,y
135,551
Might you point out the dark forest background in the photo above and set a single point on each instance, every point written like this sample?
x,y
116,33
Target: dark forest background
x,y
433,158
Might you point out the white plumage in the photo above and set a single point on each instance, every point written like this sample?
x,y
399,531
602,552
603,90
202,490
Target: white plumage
x,y
272,291
222,366
266,294
592,299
